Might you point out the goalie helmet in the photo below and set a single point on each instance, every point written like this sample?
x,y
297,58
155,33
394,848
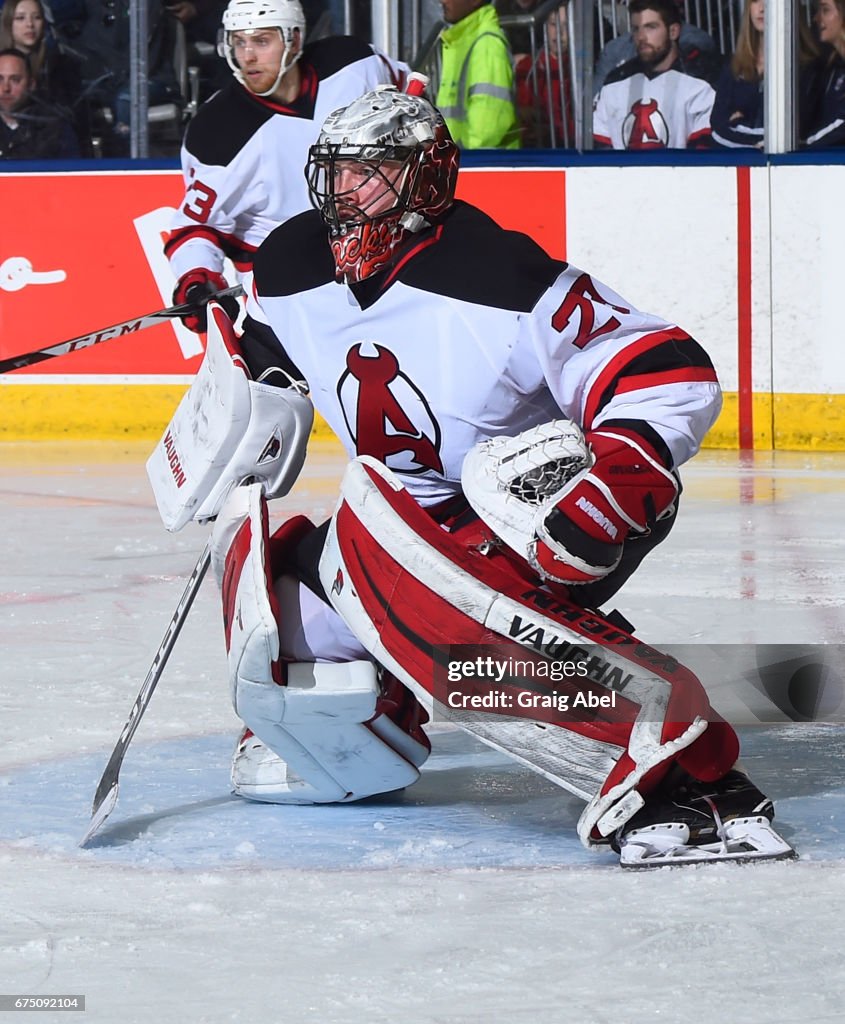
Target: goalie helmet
x,y
383,168
252,15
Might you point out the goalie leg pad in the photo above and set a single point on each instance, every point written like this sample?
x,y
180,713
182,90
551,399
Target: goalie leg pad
x,y
332,741
310,629
322,720
227,428
405,586
239,544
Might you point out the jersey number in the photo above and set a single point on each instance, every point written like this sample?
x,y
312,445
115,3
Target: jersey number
x,y
198,205
578,300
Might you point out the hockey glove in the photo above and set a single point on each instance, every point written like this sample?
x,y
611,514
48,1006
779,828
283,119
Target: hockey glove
x,y
197,287
581,533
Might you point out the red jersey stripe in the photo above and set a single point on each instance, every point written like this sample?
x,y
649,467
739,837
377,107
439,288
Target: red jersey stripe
x,y
683,375
616,366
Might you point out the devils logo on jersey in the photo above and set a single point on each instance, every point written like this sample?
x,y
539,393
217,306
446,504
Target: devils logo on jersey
x,y
645,127
386,414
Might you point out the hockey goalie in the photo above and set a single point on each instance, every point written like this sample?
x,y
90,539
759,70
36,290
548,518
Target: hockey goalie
x,y
515,429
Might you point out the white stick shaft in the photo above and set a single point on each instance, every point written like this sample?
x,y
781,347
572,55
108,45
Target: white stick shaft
x,y
138,323
106,795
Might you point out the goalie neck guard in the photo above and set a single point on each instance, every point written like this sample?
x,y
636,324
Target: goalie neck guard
x,y
286,16
383,168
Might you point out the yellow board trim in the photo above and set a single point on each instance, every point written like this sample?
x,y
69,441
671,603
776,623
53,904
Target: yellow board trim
x,y
725,432
37,412
42,412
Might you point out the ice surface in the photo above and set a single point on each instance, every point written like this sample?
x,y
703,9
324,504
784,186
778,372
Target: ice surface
x,y
464,899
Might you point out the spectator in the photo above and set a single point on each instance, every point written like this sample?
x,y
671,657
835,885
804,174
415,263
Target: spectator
x,y
30,127
23,26
827,126
201,20
622,49
737,118
544,86
661,99
518,35
476,94
104,38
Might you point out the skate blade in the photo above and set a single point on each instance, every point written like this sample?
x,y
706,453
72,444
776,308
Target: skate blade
x,y
745,840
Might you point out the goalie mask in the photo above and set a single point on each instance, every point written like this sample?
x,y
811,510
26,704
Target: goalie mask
x,y
249,16
383,168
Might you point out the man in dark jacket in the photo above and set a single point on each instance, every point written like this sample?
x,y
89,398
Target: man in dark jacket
x,y
30,128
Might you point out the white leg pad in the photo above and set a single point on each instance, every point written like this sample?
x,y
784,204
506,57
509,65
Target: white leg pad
x,y
321,720
238,559
331,745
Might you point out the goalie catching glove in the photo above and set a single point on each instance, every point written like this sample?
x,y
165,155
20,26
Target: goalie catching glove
x,y
566,501
197,287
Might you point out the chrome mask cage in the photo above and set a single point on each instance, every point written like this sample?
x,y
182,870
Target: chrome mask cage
x,y
339,209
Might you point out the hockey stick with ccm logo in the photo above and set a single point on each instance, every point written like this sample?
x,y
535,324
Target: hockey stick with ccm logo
x,y
105,797
138,323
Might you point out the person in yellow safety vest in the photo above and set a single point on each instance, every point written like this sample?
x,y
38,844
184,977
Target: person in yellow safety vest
x,y
476,94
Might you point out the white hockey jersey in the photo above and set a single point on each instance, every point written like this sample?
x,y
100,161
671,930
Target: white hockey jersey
x,y
670,110
243,157
475,333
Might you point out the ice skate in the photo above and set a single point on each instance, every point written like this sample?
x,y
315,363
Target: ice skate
x,y
257,773
691,822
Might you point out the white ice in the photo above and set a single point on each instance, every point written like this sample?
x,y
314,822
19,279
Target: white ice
x,y
466,899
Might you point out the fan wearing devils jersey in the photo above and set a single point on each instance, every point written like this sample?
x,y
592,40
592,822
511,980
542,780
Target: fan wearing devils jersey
x,y
663,98
244,153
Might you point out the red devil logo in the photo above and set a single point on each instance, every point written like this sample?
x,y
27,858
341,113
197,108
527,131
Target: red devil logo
x,y
645,127
386,414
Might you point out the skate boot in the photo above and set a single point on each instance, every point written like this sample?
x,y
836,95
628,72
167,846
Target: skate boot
x,y
257,773
690,822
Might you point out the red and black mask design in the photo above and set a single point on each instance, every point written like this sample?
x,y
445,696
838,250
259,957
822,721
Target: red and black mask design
x,y
365,249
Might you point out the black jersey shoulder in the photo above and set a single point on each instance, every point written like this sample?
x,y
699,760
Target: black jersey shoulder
x,y
702,64
224,124
477,260
627,70
328,56
295,257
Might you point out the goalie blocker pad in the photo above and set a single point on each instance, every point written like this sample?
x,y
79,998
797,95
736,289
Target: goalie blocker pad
x,y
404,585
226,429
327,722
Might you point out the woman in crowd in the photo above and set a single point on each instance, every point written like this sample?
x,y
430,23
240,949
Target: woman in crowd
x,y
737,116
23,26
828,124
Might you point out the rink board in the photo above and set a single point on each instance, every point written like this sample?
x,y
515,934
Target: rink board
x,y
744,258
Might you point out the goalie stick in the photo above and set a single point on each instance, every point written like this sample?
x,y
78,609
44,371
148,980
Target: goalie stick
x,y
105,797
138,323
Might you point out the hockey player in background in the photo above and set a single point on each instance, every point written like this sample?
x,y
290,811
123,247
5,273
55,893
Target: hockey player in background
x,y
515,429
243,154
